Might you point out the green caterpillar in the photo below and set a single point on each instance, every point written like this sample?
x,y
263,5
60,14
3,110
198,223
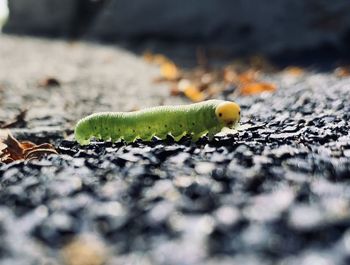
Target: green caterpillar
x,y
195,120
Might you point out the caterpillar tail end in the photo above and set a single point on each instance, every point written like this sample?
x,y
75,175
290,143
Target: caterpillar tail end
x,y
81,140
80,137
196,137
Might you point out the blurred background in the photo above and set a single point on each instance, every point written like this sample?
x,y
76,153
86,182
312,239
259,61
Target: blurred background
x,y
3,12
225,27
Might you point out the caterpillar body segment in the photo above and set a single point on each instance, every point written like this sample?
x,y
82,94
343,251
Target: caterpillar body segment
x,y
195,120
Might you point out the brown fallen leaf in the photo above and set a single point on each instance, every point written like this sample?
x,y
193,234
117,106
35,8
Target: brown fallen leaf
x,y
175,91
206,79
27,144
256,88
247,77
12,150
294,71
148,56
230,75
342,71
18,121
157,59
214,90
38,151
49,82
169,71
194,94
191,91
205,82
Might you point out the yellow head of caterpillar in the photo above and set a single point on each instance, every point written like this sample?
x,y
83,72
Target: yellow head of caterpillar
x,y
228,113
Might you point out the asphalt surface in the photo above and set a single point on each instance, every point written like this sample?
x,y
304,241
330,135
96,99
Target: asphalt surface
x,y
277,192
92,78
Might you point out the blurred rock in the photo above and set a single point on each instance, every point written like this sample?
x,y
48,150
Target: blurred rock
x,y
41,17
53,18
245,25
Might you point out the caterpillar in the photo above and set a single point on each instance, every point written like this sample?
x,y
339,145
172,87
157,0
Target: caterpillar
x,y
195,120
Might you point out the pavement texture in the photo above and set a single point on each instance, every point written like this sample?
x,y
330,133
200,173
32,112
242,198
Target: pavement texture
x,y
91,78
277,192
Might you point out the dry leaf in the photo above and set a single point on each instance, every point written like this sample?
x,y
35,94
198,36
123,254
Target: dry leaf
x,y
230,75
294,71
175,91
18,121
256,88
49,82
38,151
202,82
169,71
342,71
214,89
191,91
158,59
248,76
11,149
194,94
207,79
148,56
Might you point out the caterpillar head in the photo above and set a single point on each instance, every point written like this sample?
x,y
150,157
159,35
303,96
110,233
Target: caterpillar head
x,y
228,113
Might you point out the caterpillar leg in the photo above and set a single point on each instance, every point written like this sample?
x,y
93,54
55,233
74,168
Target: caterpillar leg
x,y
130,138
162,135
179,136
83,141
196,137
115,139
148,137
211,136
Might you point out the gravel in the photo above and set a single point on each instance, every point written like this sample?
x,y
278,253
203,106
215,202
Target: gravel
x,y
277,192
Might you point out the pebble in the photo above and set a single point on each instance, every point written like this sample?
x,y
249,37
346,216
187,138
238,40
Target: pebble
x,y
306,218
